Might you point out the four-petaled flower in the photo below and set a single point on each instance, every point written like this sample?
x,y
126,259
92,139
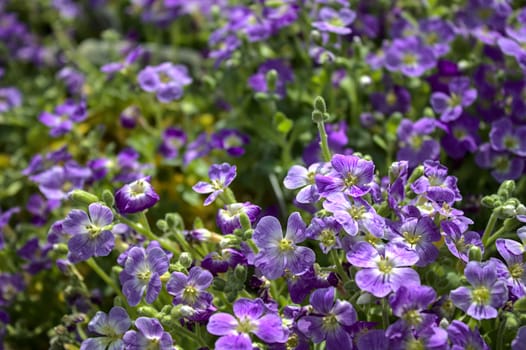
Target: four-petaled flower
x,y
110,327
191,290
221,175
150,335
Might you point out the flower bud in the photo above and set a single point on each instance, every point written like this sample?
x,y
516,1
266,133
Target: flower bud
x,y
319,105
185,259
520,305
83,197
162,225
272,79
174,221
506,189
364,298
475,254
107,198
491,201
419,171
444,323
240,273
219,284
148,311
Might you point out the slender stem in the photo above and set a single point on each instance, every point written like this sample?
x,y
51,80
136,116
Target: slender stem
x,y
104,276
489,228
500,334
323,142
339,268
385,313
145,231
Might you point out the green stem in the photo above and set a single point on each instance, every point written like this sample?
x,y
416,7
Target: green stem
x,y
489,228
385,313
104,276
339,268
500,335
323,142
145,231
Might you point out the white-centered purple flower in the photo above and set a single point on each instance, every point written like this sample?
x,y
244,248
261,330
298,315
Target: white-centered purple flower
x,y
191,289
250,316
386,270
514,271
136,197
329,320
410,56
349,174
459,242
167,80
230,140
436,185
150,334
330,20
505,136
228,218
221,176
410,305
142,273
277,252
462,337
301,177
460,96
90,235
420,234
109,328
486,294
58,181
354,215
173,140
503,165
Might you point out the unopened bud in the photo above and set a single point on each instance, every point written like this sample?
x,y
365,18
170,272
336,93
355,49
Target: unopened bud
x,y
320,105
83,197
107,198
185,259
162,225
506,189
475,254
240,273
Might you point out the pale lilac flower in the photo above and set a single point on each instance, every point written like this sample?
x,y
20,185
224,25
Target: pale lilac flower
x,y
150,335
301,177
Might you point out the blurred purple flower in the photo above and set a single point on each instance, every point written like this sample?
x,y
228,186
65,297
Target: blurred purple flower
x,y
451,106
410,56
230,140
62,120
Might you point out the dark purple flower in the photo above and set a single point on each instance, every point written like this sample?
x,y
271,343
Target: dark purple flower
x,y
198,148
36,256
228,218
373,340
136,197
416,144
259,82
251,316
110,328
383,271
10,98
40,208
150,335
410,56
173,140
300,286
73,79
420,235
351,175
460,96
459,242
278,252
329,320
504,165
191,290
397,99
166,80
487,292
354,215
4,220
330,20
505,136
10,286
91,235
61,121
230,140
142,273
221,176
410,305
461,137
462,337
403,337
129,116
438,34
436,185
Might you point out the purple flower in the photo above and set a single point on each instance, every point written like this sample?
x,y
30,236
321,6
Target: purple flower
x,y
191,290
219,263
114,67
519,343
514,272
230,140
142,273
460,96
129,117
409,56
436,185
383,271
62,120
166,80
4,220
504,136
459,242
403,337
354,216
462,337
136,197
487,292
410,304
10,98
277,253
330,20
10,286
419,234
198,148
36,255
110,328
173,140
326,231
351,175
73,79
438,34
40,208
58,181
329,320
299,176
300,286
91,235
221,176
150,335
258,82
416,144
251,316
228,218
397,99
461,137
504,166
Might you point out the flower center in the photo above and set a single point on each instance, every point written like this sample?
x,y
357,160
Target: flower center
x,y
137,188
327,238
416,142
510,142
330,322
481,295
245,326
144,275
459,133
412,238
350,180
432,38
153,344
516,271
93,230
216,184
415,344
164,78
336,21
286,245
501,163
385,266
310,177
409,59
413,317
356,212
190,294
232,141
455,100
390,98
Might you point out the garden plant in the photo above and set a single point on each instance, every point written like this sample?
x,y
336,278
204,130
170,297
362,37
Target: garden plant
x,y
262,174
